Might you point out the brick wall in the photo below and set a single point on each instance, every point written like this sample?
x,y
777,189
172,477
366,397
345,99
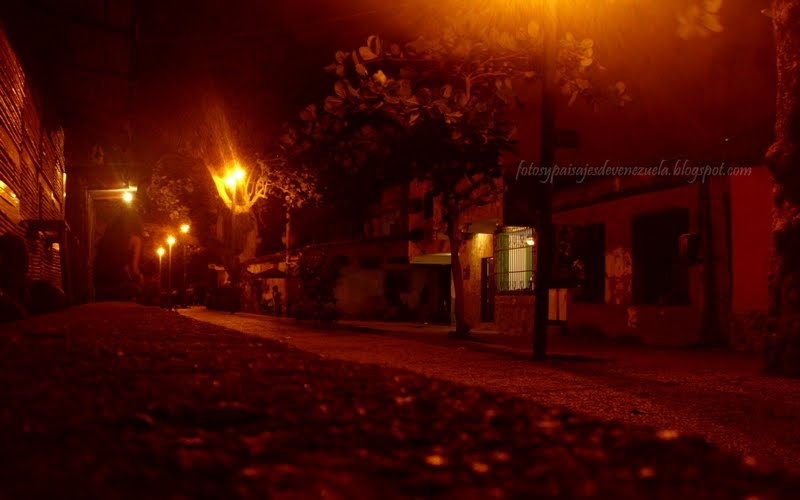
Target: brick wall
x,y
31,167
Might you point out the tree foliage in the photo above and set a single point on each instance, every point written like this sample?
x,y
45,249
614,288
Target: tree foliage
x,y
315,275
436,109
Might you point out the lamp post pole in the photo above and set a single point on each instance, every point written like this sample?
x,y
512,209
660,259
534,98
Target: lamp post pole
x,y
171,243
184,275
185,231
546,243
234,256
169,279
233,179
160,256
233,221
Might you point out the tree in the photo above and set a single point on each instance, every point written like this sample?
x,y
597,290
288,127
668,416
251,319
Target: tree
x,y
783,158
295,185
440,104
188,183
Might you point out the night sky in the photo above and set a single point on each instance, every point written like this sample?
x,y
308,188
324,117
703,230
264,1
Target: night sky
x,y
261,61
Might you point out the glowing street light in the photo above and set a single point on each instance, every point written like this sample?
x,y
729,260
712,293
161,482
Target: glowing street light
x,y
185,228
127,197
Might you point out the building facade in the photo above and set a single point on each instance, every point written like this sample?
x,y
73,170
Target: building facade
x,y
32,172
665,258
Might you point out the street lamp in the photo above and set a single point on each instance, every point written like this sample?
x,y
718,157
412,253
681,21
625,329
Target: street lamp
x,y
233,179
127,197
236,176
170,242
185,231
160,253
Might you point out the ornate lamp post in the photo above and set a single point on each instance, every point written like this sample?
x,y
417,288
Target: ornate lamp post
x,y
170,242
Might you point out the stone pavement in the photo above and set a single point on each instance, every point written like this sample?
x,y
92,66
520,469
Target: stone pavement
x,y
122,401
717,394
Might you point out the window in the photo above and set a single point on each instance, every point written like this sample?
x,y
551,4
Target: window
x,y
660,276
514,257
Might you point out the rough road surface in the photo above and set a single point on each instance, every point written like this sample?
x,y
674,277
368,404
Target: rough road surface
x,y
713,393
122,401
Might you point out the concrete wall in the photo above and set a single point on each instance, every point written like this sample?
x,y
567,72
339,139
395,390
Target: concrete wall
x,y
513,314
665,325
360,293
751,253
477,248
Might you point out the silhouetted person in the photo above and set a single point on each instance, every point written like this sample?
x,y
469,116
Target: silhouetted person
x,y
116,269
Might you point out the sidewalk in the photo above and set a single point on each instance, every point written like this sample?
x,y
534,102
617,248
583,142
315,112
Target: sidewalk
x,y
124,401
402,327
717,394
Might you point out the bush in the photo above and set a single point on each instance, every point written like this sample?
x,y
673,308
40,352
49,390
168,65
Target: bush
x,y
46,298
10,309
315,275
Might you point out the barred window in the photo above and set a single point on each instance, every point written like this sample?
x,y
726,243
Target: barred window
x,y
514,258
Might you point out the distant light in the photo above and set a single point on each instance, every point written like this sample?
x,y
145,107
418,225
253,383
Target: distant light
x,y
127,197
170,240
185,228
230,181
160,251
238,173
56,247
530,241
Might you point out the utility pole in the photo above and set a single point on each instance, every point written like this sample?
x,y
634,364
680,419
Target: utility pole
x,y
545,233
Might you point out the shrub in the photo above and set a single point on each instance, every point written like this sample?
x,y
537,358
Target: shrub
x,y
46,298
10,309
314,276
